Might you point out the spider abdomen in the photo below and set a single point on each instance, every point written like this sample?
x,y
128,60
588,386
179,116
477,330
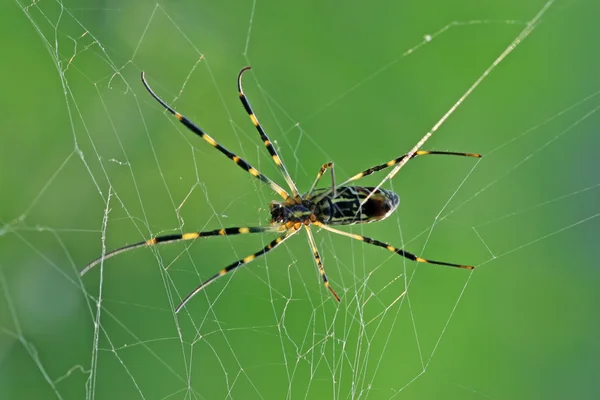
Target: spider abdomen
x,y
345,207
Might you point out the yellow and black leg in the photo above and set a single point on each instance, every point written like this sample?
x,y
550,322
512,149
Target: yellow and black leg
x,y
324,168
393,249
198,131
235,265
319,262
263,135
178,238
395,161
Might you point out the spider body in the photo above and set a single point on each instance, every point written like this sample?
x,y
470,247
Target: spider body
x,y
337,205
344,207
340,208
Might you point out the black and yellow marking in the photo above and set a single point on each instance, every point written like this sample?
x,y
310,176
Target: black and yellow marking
x,y
319,262
376,168
198,131
388,247
263,135
395,161
235,265
178,238
345,207
324,168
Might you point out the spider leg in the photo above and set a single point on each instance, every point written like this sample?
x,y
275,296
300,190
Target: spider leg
x,y
177,238
317,256
395,161
386,246
235,265
198,131
263,135
319,175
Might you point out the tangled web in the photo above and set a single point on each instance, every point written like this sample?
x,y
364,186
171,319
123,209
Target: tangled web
x,y
96,164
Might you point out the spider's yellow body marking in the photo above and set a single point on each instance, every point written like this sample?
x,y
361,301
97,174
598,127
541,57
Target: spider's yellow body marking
x,y
253,172
356,177
253,119
151,242
222,232
188,236
249,258
210,140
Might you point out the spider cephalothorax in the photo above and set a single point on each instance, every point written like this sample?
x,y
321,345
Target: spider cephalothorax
x,y
292,213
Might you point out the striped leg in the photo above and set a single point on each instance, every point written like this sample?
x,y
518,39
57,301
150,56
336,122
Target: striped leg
x,y
198,131
235,265
177,238
263,135
390,164
386,246
319,175
319,262
395,161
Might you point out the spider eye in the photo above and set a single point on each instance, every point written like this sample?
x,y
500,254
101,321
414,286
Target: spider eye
x,y
274,206
277,211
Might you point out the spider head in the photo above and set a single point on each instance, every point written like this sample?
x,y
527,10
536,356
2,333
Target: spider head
x,y
279,213
289,211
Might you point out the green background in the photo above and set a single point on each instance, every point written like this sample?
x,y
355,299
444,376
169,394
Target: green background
x,y
330,81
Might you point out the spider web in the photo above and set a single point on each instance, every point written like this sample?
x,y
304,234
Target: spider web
x,y
90,163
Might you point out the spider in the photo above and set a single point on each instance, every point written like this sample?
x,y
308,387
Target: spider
x,y
324,208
